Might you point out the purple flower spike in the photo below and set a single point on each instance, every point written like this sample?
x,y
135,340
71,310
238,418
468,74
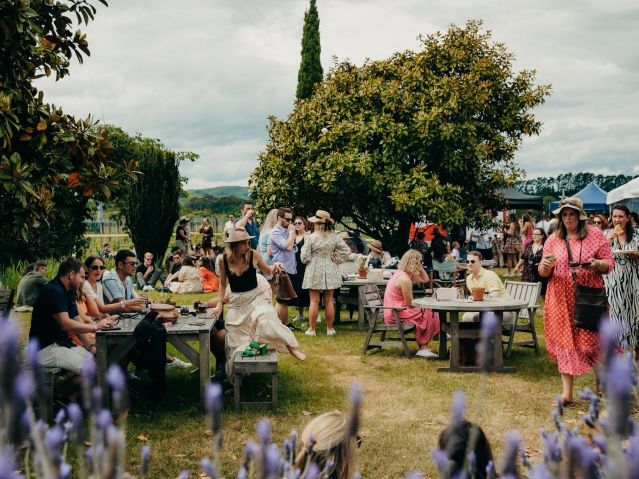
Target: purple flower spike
x,y
88,370
116,378
25,385
609,336
53,442
414,475
104,419
7,464
242,473
209,468
509,465
620,383
357,475
312,471
458,406
145,457
31,353
65,471
441,461
272,461
184,474
540,471
213,403
486,346
355,397
264,431
76,419
552,449
60,417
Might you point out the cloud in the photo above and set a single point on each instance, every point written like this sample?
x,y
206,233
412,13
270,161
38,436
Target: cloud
x,y
204,76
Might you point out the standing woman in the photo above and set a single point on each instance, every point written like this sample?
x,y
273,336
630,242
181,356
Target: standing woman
x,y
301,234
264,244
250,315
600,221
526,230
576,350
622,284
529,262
321,252
206,230
512,243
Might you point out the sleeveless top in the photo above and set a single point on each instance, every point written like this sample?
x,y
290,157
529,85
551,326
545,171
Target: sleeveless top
x,y
246,282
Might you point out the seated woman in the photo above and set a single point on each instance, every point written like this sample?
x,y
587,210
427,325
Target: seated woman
x,y
377,257
327,442
188,278
208,278
250,315
399,293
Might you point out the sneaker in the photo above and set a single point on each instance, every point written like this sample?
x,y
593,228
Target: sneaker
x,y
426,353
319,318
178,363
291,327
330,332
148,287
310,332
297,319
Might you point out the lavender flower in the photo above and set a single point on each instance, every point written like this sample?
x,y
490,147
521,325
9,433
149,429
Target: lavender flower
x,y
490,470
209,468
441,462
608,339
272,461
213,403
486,346
184,474
31,353
552,449
104,419
540,471
509,463
9,365
264,431
414,475
116,378
620,383
458,407
145,460
242,473
355,397
7,464
25,385
312,471
65,471
53,443
76,421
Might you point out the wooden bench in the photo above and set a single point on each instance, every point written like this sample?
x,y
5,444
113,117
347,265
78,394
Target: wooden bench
x,y
47,380
256,365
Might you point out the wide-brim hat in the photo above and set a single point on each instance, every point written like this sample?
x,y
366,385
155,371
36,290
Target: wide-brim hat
x,y
321,216
238,234
574,203
376,245
185,218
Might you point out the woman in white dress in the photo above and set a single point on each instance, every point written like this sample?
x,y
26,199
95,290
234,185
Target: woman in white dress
x,y
321,252
250,315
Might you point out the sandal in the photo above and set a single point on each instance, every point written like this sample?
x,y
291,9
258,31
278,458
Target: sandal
x,y
248,353
260,349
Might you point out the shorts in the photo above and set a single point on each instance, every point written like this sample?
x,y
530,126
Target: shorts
x,y
63,357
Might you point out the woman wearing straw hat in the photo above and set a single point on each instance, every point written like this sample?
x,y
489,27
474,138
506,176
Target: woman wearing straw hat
x,y
576,350
377,257
250,315
321,252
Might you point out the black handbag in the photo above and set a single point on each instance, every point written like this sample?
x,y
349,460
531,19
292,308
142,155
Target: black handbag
x,y
591,304
283,287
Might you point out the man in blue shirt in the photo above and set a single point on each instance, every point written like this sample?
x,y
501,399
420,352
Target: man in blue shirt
x,y
117,285
282,242
55,315
249,223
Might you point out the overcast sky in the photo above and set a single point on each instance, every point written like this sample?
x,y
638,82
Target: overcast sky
x,y
204,75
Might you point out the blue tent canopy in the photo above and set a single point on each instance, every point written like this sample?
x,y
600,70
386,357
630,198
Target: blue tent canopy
x,y
594,198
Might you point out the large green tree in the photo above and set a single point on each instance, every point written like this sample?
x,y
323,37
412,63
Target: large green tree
x,y
310,72
149,206
50,162
425,134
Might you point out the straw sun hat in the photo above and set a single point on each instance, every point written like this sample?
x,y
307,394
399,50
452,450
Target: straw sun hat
x,y
238,234
321,216
574,203
376,245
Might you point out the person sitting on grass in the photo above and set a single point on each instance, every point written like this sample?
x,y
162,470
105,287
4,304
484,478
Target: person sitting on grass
x,y
208,277
187,279
174,269
147,274
460,440
31,285
399,293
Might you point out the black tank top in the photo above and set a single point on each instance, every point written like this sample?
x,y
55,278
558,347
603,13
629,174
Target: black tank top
x,y
246,282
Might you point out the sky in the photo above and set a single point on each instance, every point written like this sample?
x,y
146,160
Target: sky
x,y
205,75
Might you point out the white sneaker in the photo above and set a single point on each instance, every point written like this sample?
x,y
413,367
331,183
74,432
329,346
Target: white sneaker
x,y
330,332
426,353
310,332
319,318
148,287
297,319
178,363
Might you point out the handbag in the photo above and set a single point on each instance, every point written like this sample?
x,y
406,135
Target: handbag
x,y
283,287
591,304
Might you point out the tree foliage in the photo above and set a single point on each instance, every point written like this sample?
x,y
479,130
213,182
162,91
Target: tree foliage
x,y
310,72
570,183
149,206
49,161
428,134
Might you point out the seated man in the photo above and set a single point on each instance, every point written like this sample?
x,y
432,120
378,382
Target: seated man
x,y
147,274
174,269
55,315
31,285
478,277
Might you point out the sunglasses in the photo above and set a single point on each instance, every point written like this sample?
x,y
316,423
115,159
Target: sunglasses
x,y
132,263
472,261
597,222
96,267
298,223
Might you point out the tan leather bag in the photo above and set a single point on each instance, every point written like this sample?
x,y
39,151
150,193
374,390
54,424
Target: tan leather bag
x,y
283,287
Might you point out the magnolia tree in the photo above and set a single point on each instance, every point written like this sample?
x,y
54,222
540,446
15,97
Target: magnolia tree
x,y
429,133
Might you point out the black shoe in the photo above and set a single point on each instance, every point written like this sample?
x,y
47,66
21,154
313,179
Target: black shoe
x,y
291,327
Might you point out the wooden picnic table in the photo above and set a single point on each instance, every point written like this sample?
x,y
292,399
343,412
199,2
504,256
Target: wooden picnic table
x,y
452,309
113,345
356,299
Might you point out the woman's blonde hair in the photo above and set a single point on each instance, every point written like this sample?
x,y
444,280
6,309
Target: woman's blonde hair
x,y
270,221
229,250
411,261
325,441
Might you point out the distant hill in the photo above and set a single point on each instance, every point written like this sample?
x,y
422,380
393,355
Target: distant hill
x,y
237,191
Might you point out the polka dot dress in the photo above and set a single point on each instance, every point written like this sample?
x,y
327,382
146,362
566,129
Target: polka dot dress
x,y
575,350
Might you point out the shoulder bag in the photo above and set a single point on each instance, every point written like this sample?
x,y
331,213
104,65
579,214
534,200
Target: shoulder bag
x,y
591,304
283,287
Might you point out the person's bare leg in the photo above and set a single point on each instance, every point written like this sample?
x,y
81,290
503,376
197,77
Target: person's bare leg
x,y
566,382
329,308
296,353
313,309
282,312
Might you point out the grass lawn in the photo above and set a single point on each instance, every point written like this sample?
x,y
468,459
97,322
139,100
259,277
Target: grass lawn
x,y
406,404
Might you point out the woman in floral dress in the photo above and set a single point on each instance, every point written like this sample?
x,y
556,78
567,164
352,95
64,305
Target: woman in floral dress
x,y
321,252
575,350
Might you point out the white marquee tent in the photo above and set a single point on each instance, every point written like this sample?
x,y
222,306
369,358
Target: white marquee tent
x,y
629,191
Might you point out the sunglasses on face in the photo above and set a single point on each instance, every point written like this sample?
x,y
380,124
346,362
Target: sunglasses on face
x,y
132,263
96,267
298,223
597,222
472,261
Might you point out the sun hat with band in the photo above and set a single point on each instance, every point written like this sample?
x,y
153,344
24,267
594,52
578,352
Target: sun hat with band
x,y
574,203
376,245
238,234
321,216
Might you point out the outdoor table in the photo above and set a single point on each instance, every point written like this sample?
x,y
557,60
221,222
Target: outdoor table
x,y
453,308
121,341
359,284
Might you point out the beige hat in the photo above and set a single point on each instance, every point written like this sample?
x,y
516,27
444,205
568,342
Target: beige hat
x,y
343,235
238,234
376,245
321,216
574,203
185,218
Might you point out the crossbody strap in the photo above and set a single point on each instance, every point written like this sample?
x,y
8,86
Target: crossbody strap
x,y
573,269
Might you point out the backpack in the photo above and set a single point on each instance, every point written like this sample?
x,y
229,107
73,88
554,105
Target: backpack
x,y
150,335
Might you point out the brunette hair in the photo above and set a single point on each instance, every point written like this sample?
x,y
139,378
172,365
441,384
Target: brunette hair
x,y
629,228
604,220
562,232
454,440
543,234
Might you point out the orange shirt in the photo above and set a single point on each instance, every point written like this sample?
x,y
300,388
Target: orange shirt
x,y
209,280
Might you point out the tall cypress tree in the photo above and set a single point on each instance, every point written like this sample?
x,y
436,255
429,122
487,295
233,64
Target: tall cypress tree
x,y
310,71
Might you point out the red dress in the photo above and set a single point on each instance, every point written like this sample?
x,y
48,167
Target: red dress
x,y
575,350
426,322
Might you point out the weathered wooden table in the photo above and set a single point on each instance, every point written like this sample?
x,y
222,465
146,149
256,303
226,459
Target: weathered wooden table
x,y
452,309
356,299
113,345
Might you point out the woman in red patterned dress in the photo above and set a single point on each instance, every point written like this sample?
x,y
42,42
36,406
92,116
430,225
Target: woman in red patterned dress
x,y
399,293
575,350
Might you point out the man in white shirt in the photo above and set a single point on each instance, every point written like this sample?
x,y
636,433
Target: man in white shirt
x,y
229,225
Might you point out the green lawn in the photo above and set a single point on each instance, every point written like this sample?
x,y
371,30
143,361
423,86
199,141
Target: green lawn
x,y
406,404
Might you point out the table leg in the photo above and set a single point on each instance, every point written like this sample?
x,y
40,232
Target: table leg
x,y
443,340
101,363
360,308
205,362
499,350
454,339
